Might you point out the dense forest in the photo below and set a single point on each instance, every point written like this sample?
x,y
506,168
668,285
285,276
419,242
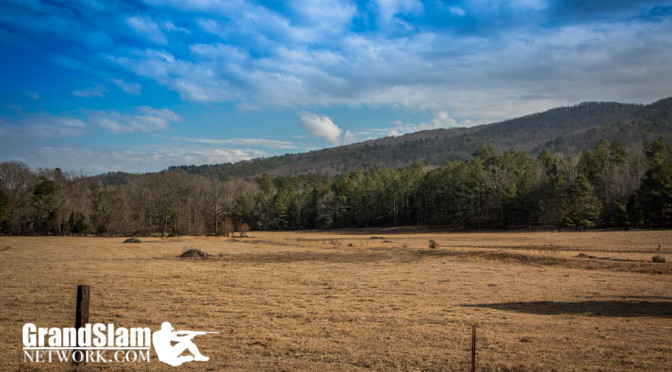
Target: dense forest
x,y
609,186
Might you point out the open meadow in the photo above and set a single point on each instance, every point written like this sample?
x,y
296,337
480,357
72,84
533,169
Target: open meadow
x,y
361,299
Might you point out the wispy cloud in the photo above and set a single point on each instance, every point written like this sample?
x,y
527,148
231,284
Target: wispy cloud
x,y
441,119
95,91
148,120
130,88
325,17
32,95
147,158
350,137
457,11
388,9
255,142
41,126
147,28
170,26
44,126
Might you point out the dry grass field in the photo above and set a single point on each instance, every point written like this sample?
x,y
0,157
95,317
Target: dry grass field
x,y
362,299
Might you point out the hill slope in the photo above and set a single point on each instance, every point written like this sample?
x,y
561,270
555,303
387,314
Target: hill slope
x,y
565,130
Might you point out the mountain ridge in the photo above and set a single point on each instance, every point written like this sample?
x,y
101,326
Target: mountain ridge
x,y
568,129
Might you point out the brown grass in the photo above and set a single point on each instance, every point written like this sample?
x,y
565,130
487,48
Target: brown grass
x,y
344,301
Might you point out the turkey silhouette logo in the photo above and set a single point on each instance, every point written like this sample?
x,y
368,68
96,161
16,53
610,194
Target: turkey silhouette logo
x,y
170,344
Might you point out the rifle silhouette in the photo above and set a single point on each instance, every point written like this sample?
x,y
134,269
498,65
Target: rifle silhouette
x,y
193,333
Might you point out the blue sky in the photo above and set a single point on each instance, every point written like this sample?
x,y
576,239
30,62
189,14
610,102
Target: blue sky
x,y
94,86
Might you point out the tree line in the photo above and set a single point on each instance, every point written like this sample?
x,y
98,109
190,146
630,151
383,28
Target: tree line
x,y
609,186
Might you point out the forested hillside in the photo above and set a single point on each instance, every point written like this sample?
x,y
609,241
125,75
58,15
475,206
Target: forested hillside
x,y
611,186
566,130
595,164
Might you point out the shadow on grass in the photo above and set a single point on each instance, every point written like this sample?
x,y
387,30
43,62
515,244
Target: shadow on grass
x,y
663,298
589,308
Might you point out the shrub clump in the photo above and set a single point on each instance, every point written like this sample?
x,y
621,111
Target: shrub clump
x,y
243,229
433,244
132,240
193,253
658,259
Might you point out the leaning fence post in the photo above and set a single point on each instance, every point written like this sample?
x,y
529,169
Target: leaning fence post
x,y
473,348
81,317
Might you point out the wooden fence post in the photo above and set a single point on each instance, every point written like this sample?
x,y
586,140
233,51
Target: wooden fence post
x,y
81,314
473,348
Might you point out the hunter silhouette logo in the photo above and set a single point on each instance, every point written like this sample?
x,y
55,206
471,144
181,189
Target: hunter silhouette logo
x,y
169,345
106,343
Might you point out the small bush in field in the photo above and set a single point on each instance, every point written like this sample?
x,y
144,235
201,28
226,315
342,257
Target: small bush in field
x,y
243,229
433,244
193,253
227,226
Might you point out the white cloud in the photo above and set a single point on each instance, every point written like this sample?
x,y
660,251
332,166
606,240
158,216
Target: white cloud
x,y
325,16
170,26
321,126
42,126
388,9
349,137
202,81
130,88
150,120
146,27
95,91
211,26
162,113
267,59
260,142
224,53
257,24
440,120
48,125
147,158
457,11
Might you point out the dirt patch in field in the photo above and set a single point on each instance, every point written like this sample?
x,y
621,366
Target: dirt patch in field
x,y
489,255
341,255
257,241
292,257
581,262
399,230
